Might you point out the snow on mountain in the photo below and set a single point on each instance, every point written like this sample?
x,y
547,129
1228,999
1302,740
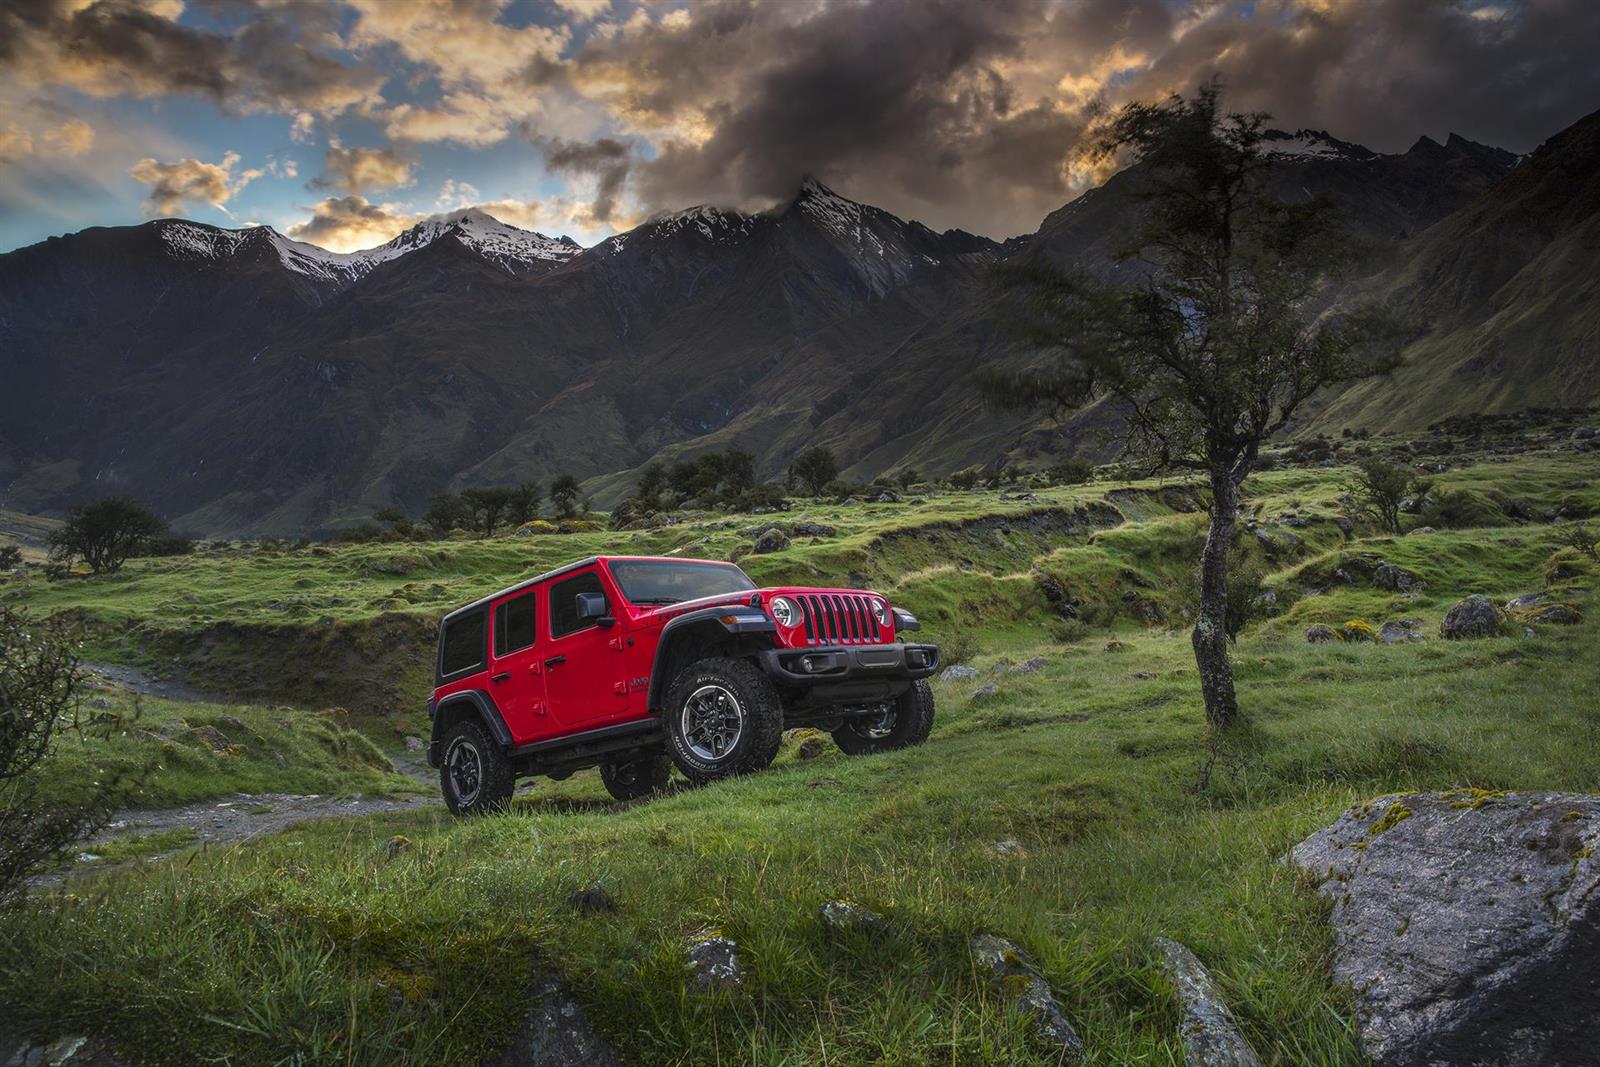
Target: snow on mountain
x,y
1311,144
714,224
509,247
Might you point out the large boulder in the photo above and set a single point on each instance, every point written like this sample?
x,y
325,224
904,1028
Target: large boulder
x,y
1397,579
773,540
1467,925
1476,616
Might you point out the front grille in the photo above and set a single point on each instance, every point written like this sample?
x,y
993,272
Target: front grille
x,y
839,619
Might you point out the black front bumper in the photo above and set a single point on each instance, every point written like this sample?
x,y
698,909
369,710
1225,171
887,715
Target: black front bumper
x,y
830,665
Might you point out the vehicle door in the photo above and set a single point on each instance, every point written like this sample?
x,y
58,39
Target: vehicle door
x,y
584,683
516,666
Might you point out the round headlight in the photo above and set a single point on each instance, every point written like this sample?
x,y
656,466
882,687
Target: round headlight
x,y
785,611
880,608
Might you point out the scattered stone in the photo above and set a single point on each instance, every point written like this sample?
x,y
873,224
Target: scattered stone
x,y
1392,632
714,963
1032,665
1557,615
1397,579
985,692
62,1052
591,900
1525,601
1466,924
814,529
415,744
886,496
398,844
212,738
1419,530
1210,1036
1009,847
1476,616
1015,976
811,748
1143,676
556,1033
774,540
193,598
1116,646
1320,634
843,915
958,673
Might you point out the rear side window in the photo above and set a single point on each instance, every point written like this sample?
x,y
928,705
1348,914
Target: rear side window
x,y
514,624
461,647
564,603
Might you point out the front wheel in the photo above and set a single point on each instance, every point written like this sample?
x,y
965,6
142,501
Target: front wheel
x,y
636,778
723,717
907,721
474,775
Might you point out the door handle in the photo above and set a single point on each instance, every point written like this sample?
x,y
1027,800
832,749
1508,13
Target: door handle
x,y
502,676
553,660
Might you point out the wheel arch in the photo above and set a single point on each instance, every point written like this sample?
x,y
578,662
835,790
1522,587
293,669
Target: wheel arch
x,y
474,704
698,635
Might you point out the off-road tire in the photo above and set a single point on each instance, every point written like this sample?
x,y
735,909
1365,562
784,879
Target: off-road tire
x,y
463,743
635,778
759,710
912,721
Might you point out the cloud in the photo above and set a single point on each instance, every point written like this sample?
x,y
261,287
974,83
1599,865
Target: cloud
x,y
350,223
65,140
356,170
607,161
584,10
172,185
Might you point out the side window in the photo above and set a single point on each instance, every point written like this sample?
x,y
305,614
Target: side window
x,y
564,603
461,646
514,628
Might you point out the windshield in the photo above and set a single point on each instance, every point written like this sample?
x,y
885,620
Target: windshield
x,y
668,581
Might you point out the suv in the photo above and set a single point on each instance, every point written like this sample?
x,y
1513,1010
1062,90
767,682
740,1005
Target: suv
x,y
633,664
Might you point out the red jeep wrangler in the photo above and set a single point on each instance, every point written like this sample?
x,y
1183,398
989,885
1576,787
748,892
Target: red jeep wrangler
x,y
629,662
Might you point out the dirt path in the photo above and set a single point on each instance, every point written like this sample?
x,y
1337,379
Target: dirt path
x,y
136,681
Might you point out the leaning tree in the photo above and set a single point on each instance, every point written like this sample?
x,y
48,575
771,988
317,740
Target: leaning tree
x,y
1214,339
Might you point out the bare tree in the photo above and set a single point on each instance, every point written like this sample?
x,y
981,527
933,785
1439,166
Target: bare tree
x,y
1215,346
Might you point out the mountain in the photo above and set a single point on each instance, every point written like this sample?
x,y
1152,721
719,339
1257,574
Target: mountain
x,y
246,383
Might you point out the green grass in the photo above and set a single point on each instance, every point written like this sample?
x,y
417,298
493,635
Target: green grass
x,y
318,945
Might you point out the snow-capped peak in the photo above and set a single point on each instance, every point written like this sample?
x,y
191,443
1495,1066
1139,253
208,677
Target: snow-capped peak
x,y
1310,144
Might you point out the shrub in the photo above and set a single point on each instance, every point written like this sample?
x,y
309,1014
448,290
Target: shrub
x,y
1459,509
1379,488
964,480
1574,535
105,533
1071,472
957,646
10,557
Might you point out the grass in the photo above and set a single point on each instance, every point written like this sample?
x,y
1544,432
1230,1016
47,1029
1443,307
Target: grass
x,y
324,944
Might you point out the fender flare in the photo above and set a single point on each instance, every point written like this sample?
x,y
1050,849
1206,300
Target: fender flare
x,y
482,707
747,620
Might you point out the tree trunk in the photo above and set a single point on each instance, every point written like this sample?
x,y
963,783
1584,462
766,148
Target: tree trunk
x,y
1210,637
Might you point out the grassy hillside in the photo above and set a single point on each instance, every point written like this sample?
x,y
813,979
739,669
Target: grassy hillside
x,y
336,941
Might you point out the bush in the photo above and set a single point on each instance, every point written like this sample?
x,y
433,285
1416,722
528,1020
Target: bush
x,y
1575,535
169,546
10,557
957,646
40,693
1356,630
1071,472
964,480
1379,489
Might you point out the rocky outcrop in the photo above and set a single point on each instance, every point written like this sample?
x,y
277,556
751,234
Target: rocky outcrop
x,y
773,540
714,964
1467,925
1476,616
1320,634
1397,579
1210,1036
1014,975
63,1052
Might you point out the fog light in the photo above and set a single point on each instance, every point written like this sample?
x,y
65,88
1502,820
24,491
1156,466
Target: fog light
x,y
809,664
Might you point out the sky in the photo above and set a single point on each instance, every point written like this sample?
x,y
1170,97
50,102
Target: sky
x,y
343,122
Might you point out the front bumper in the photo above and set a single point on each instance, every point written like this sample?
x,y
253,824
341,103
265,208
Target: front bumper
x,y
835,664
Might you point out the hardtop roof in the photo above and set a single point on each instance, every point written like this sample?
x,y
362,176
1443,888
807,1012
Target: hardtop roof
x,y
517,587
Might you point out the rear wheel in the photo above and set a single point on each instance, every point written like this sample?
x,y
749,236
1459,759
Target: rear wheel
x,y
636,778
723,718
474,775
907,721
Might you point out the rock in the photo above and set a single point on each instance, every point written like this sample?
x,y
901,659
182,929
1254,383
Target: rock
x,y
985,692
1466,924
1391,633
397,845
1476,616
212,738
886,496
844,915
1397,579
1557,615
193,598
555,1032
1030,666
1419,530
591,900
62,1052
1116,646
1009,847
1525,601
1013,975
415,744
811,748
1320,634
714,964
958,673
773,540
1210,1036
813,529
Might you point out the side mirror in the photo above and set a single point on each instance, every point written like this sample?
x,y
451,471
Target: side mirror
x,y
592,608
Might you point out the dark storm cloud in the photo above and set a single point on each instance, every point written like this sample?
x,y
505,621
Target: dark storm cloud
x,y
967,113
112,47
607,160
